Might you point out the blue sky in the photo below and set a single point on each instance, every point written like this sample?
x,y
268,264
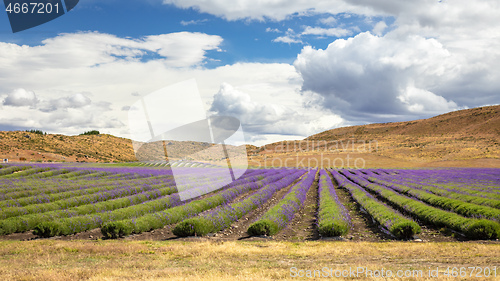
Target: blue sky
x,y
286,69
244,40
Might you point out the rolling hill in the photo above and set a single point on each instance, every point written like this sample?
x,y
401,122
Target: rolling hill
x,y
481,121
468,137
20,146
26,146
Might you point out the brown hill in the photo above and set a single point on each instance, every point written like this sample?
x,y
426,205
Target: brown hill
x,y
481,121
461,138
25,146
18,146
468,137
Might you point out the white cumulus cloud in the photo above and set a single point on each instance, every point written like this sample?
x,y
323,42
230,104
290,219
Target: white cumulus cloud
x,y
84,49
362,77
328,21
275,30
379,27
71,114
260,10
77,100
420,100
261,119
287,39
21,97
330,32
436,56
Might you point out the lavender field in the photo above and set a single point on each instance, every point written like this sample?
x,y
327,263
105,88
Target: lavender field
x,y
45,200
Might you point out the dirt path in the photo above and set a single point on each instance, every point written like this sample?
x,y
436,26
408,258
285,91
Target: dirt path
x,y
363,226
166,233
238,229
303,226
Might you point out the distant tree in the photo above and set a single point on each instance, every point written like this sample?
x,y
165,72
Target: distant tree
x,y
39,132
89,133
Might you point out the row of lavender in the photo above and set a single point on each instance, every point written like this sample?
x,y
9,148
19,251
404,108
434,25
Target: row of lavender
x,y
55,204
474,221
391,220
395,209
81,223
279,215
61,212
329,210
333,217
79,199
139,224
463,204
49,220
476,186
30,194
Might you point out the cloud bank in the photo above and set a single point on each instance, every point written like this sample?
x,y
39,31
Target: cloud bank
x,y
406,60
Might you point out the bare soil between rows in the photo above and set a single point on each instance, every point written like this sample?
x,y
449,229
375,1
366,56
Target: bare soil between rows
x,y
300,229
303,226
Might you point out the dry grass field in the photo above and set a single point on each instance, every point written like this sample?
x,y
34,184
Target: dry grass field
x,y
205,260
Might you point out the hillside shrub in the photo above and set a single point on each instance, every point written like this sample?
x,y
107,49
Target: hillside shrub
x,y
115,230
263,227
47,229
90,133
192,227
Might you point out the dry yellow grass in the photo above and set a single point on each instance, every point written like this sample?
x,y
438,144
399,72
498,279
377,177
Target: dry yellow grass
x,y
205,260
19,145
